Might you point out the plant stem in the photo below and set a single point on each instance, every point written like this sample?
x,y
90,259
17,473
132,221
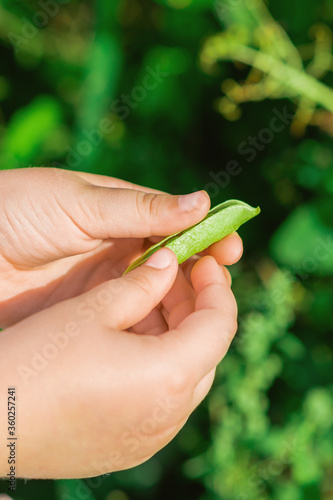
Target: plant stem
x,y
298,81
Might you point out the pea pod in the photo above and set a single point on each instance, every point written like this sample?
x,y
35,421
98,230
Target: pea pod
x,y
220,221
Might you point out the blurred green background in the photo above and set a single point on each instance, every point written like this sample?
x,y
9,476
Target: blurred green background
x,y
230,96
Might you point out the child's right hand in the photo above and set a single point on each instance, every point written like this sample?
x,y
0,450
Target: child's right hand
x,y
106,379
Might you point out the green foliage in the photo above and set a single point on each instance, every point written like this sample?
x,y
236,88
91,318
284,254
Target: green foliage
x,y
254,38
72,489
29,132
171,94
291,454
304,242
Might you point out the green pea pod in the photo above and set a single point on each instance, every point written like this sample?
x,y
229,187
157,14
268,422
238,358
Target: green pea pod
x,y
220,221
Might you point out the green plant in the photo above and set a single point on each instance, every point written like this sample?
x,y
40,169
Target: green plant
x,y
254,38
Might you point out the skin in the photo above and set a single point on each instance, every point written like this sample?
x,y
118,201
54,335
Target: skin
x,y
107,369
221,221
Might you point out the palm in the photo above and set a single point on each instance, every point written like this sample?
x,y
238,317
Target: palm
x,y
41,264
44,286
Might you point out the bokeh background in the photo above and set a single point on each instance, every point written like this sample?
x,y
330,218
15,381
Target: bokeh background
x,y
231,96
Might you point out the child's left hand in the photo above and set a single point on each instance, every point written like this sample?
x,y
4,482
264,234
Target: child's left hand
x,y
63,233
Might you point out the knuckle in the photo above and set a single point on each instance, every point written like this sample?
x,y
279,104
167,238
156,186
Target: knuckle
x,y
232,327
230,300
97,208
146,207
179,382
142,282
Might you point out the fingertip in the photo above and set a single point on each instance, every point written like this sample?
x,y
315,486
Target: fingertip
x,y
198,201
227,251
207,271
227,275
161,259
206,198
207,262
133,296
236,246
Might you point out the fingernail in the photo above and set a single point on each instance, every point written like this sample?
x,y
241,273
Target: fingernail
x,y
189,202
160,259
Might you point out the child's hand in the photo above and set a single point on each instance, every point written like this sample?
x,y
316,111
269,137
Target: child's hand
x,y
63,233
106,379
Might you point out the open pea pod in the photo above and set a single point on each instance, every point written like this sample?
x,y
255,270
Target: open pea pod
x,y
220,221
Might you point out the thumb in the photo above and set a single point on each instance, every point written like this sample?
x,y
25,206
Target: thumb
x,y
122,302
127,213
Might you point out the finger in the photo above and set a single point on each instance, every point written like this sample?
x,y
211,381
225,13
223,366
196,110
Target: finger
x,y
202,339
113,182
227,251
187,267
179,301
153,324
227,275
123,302
203,388
126,213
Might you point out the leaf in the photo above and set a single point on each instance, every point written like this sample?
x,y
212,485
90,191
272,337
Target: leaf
x,y
28,130
304,243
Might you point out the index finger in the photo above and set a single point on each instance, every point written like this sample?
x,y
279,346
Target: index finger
x,y
227,251
106,181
